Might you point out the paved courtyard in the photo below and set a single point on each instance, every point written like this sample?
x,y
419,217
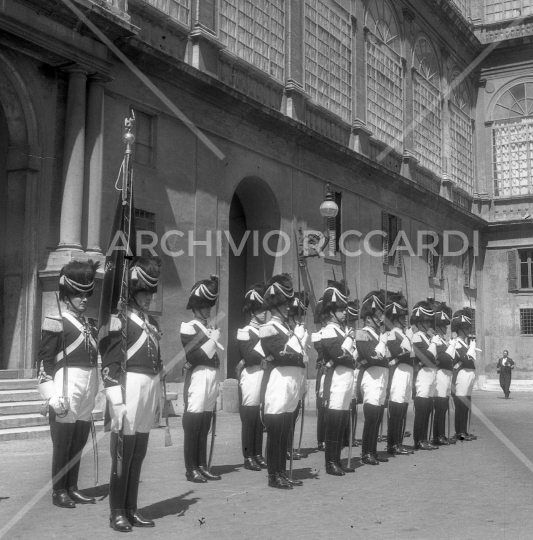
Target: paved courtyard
x,y
474,490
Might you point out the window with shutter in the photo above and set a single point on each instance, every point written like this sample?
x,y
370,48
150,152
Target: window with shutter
x,y
466,269
512,274
398,255
524,272
385,229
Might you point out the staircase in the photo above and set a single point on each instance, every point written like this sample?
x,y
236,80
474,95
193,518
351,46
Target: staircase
x,y
20,406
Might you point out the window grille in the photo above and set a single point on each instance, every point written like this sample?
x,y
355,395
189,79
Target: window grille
x,y
512,142
499,10
328,58
255,32
526,321
144,221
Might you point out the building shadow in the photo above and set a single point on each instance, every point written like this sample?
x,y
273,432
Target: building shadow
x,y
176,506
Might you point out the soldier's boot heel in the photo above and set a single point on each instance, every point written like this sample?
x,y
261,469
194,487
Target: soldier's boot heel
x,y
118,521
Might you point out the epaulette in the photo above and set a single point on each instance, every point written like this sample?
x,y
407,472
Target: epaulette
x,y
114,324
361,335
187,329
329,333
243,334
53,324
267,330
316,337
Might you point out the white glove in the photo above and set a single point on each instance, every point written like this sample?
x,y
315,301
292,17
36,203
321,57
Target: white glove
x,y
55,403
47,390
210,348
406,344
305,339
472,350
299,331
451,348
294,344
381,348
383,338
433,349
347,345
436,340
118,412
214,334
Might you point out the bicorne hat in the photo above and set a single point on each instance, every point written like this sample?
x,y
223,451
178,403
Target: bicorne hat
x,y
253,299
77,277
144,274
373,304
278,291
204,293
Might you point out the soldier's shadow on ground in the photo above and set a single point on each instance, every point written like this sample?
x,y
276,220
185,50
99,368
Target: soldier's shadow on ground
x,y
226,469
355,463
307,473
169,507
98,492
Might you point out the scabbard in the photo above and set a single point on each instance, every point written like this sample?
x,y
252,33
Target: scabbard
x,y
328,378
268,368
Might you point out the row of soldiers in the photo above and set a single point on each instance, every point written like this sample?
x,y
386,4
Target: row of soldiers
x,y
374,365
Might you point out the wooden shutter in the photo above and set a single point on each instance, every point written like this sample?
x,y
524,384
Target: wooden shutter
x,y
466,269
512,270
398,256
440,250
473,272
430,263
385,228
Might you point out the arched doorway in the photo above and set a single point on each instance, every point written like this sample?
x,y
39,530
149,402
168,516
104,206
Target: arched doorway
x,y
253,208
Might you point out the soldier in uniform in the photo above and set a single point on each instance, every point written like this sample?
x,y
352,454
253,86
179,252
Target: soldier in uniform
x,y
133,412
373,373
352,314
401,372
316,338
70,413
441,399
250,375
425,375
297,310
463,350
283,379
337,348
200,342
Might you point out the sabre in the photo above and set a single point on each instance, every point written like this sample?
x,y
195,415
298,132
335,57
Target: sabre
x,y
168,438
64,401
213,435
95,451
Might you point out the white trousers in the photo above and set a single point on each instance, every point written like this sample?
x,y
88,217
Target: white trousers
x,y
250,384
203,390
465,382
283,390
341,391
426,382
402,382
444,383
82,390
143,394
374,385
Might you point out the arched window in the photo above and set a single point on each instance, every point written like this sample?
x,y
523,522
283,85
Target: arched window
x,y
512,142
384,74
461,135
328,58
255,33
427,107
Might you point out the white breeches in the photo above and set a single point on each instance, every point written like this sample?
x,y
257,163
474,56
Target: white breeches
x,y
341,391
444,383
283,390
402,382
374,385
465,382
82,390
250,384
143,394
426,382
203,390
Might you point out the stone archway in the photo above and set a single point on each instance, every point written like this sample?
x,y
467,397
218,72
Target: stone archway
x,y
18,222
254,207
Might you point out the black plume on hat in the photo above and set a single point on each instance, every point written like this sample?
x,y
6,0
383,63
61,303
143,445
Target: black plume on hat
x,y
462,320
278,291
396,307
373,304
204,293
253,299
77,277
335,297
422,312
299,304
144,274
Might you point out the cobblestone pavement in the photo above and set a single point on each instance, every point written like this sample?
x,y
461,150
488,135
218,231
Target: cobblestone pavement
x,y
474,490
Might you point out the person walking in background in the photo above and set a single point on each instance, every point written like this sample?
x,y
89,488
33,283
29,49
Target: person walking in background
x,y
504,368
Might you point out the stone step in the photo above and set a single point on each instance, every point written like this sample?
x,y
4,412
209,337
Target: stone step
x,y
17,434
18,384
21,407
22,420
493,385
19,395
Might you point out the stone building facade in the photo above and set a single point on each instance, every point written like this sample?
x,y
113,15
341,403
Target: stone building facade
x,y
415,116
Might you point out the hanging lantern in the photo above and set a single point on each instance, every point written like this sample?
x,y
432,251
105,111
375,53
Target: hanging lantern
x,y
329,208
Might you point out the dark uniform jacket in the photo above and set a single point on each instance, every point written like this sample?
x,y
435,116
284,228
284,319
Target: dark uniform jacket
x,y
193,335
424,353
248,338
366,341
274,336
461,355
80,335
333,353
143,347
397,351
444,360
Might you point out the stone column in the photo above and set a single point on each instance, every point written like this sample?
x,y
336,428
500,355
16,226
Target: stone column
x,y
73,162
94,150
